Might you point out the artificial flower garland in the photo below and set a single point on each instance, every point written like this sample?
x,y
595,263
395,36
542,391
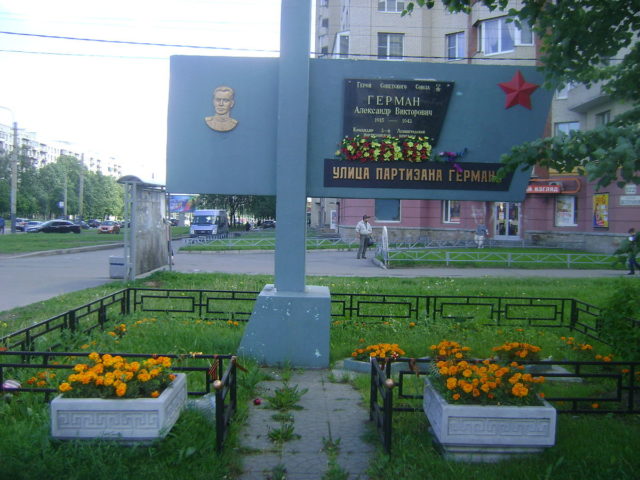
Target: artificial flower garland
x,y
384,149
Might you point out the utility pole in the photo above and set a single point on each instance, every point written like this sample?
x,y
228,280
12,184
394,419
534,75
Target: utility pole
x,y
14,177
64,202
81,190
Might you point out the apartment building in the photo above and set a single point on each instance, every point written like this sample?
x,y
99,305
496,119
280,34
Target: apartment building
x,y
558,209
42,152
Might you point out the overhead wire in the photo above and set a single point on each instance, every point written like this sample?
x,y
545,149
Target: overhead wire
x,y
208,47
228,49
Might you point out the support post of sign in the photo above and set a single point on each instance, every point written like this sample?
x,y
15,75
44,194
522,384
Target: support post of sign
x,y
290,321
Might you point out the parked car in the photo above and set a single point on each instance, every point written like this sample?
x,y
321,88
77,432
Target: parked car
x,y
20,224
32,224
82,224
268,224
55,226
109,226
95,223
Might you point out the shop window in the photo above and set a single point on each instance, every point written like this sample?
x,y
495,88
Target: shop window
x,y
451,211
387,210
566,211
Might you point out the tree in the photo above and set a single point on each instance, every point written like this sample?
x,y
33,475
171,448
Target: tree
x,y
262,207
103,196
5,184
234,204
583,41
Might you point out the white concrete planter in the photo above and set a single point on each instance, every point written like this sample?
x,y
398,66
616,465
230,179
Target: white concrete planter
x,y
126,420
361,366
488,433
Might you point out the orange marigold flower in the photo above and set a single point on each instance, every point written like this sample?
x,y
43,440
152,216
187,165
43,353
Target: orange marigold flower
x,y
456,396
155,394
65,387
595,405
121,389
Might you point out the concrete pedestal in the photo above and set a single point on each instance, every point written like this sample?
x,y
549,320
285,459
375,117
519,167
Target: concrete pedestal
x,y
289,328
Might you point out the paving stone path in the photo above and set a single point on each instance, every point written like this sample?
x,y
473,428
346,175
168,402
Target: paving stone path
x,y
330,414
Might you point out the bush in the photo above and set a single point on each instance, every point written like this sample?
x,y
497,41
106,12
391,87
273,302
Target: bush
x,y
620,322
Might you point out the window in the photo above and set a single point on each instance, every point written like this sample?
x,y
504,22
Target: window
x,y
524,34
325,23
324,3
387,210
496,36
342,45
390,46
565,127
451,211
603,118
390,6
456,46
566,214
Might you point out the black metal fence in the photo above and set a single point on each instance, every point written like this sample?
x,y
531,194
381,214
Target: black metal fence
x,y
231,305
620,393
217,371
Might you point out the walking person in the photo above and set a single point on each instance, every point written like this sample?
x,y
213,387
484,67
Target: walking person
x,y
633,251
1,226
481,232
364,231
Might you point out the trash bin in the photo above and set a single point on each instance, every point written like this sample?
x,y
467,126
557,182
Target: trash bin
x,y
116,267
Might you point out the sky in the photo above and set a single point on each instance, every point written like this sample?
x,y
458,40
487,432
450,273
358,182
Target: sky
x,y
112,97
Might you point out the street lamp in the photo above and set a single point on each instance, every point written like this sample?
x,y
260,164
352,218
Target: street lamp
x,y
14,170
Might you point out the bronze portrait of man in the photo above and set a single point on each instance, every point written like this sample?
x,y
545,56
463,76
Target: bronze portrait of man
x,y
223,102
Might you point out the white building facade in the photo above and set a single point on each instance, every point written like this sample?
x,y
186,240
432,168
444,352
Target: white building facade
x,y
42,152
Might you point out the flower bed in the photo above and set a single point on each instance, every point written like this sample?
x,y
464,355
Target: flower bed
x,y
124,420
488,433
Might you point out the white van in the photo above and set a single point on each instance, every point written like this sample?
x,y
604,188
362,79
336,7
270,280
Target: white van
x,y
209,222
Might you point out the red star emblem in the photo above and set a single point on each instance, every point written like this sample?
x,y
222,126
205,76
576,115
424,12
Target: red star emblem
x,y
518,91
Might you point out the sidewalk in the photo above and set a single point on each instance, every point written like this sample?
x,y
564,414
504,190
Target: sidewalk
x,y
328,431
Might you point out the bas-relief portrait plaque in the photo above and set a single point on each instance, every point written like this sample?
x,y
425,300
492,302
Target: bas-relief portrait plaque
x,y
223,102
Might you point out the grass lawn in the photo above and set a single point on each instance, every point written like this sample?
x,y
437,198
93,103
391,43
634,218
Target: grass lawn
x,y
36,242
588,446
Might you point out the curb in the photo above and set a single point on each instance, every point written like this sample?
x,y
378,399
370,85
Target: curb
x,y
61,251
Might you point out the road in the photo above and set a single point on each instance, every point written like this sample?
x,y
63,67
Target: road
x,y
27,279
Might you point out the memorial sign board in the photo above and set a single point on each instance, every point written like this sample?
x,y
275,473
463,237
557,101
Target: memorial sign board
x,y
399,108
